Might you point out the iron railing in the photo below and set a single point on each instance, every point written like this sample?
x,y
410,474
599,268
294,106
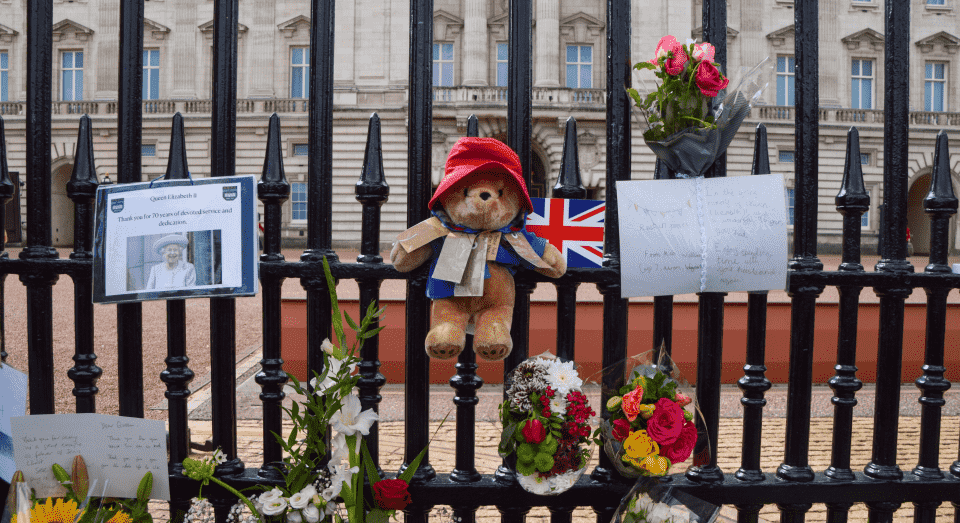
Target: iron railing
x,y
883,485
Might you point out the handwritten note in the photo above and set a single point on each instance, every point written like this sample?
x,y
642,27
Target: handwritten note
x,y
13,402
702,235
118,451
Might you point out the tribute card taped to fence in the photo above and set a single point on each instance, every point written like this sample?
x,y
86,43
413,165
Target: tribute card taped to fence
x,y
117,450
175,239
13,402
702,235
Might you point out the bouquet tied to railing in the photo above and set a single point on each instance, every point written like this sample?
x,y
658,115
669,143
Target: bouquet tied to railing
x,y
687,124
653,501
546,425
312,491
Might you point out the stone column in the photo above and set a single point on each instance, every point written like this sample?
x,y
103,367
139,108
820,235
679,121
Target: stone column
x,y
547,73
262,38
108,51
475,63
830,66
186,61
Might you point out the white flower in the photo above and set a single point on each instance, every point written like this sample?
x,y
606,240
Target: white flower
x,y
270,496
330,508
219,457
327,346
294,516
298,501
274,507
558,405
332,375
309,491
341,475
349,420
339,449
679,515
563,377
311,513
659,513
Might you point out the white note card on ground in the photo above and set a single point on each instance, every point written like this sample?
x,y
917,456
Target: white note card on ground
x,y
118,451
702,235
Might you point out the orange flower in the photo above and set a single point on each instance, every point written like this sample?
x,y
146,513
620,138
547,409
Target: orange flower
x,y
656,465
631,402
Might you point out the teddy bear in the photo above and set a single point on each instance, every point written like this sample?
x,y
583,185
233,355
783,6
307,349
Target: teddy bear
x,y
475,241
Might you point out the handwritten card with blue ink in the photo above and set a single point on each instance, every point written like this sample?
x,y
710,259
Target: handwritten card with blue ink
x,y
118,451
13,402
702,235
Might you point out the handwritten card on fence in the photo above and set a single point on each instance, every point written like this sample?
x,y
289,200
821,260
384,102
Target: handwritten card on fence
x,y
118,451
702,235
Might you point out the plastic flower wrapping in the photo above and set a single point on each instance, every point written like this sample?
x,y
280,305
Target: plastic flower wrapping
x,y
79,504
650,427
653,501
546,425
692,115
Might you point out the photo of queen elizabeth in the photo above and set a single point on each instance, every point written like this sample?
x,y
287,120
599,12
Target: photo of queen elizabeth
x,y
174,271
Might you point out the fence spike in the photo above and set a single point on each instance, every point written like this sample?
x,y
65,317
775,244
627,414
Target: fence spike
x,y
569,184
853,197
83,182
177,168
273,162
941,197
6,186
372,186
761,153
473,126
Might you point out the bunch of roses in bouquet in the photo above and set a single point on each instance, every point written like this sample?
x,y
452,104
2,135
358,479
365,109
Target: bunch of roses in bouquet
x,y
648,430
78,504
546,425
686,126
312,491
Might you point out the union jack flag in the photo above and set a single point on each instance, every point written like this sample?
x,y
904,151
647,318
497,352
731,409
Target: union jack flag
x,y
573,226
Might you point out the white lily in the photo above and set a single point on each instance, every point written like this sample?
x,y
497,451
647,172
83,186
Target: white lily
x,y
339,449
341,475
349,420
333,372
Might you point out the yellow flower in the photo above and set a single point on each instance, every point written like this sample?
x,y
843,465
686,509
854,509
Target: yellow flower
x,y
655,465
54,510
119,517
646,411
638,446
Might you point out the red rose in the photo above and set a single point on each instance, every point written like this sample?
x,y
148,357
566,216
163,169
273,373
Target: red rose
x,y
676,57
683,446
391,494
709,79
533,431
621,429
667,421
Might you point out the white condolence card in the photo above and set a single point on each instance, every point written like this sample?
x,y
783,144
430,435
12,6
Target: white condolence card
x,y
175,239
702,235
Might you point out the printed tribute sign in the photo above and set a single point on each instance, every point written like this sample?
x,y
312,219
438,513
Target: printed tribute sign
x,y
176,239
702,235
118,451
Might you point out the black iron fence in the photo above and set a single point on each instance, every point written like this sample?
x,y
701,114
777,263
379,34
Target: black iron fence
x,y
884,485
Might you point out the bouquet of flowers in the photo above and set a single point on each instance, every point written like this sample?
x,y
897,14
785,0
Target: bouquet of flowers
x,y
330,402
686,126
78,505
649,429
650,501
545,425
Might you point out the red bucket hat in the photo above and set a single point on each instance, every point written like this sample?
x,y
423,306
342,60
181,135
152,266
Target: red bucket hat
x,y
482,154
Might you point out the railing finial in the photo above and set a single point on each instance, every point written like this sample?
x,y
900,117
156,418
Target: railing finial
x,y
853,196
473,126
273,162
569,183
761,153
83,182
6,186
372,184
177,168
941,196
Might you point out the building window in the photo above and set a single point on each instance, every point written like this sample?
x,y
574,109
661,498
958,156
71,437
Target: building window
x,y
443,65
936,2
301,149
72,75
790,205
865,218
935,86
298,201
580,66
300,72
4,72
502,56
861,86
785,80
786,156
864,158
148,150
151,74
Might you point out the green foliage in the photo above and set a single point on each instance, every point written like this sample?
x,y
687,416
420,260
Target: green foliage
x,y
526,453
543,462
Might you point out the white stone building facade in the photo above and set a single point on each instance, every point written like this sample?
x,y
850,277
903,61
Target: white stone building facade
x,y
470,37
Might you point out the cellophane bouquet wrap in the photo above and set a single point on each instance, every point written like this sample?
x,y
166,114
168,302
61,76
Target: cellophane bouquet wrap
x,y
693,114
653,501
546,425
650,427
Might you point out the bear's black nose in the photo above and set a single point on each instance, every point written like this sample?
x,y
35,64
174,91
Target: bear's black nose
x,y
484,196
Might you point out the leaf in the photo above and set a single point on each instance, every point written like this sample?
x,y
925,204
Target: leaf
x,y
350,321
145,488
60,474
368,463
372,333
408,473
640,66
